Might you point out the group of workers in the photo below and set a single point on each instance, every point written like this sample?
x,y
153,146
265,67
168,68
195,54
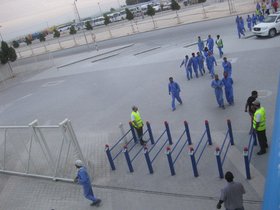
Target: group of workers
x,y
262,9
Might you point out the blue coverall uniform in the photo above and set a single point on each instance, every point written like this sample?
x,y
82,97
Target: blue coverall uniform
x,y
249,23
254,20
200,60
218,86
174,89
210,44
200,45
227,67
228,82
188,67
210,61
194,62
83,179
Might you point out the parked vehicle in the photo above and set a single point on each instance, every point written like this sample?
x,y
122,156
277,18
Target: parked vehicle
x,y
269,27
98,21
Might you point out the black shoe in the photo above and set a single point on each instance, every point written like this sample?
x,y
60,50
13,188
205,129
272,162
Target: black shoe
x,y
261,152
266,145
142,142
96,203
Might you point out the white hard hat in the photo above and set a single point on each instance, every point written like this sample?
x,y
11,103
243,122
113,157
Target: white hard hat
x,y
79,163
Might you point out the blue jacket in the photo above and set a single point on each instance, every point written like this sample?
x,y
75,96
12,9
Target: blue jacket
x,y
173,88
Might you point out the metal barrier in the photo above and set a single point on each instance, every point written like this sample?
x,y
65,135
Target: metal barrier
x,y
247,153
219,151
125,148
193,151
169,152
147,152
40,151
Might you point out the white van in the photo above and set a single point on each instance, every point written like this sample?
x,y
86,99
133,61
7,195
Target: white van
x,y
98,21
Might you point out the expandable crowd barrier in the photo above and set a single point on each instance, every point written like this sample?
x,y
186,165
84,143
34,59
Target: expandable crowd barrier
x,y
126,148
169,152
229,137
247,153
131,152
193,151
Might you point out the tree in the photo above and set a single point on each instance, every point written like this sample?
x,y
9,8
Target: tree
x,y
175,6
15,44
106,23
88,26
7,54
72,30
42,37
129,16
56,33
28,40
151,12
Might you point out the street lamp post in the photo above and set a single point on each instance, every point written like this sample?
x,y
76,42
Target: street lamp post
x,y
76,8
100,9
1,35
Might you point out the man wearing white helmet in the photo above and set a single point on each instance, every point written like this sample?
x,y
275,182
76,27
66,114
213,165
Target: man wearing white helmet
x,y
83,179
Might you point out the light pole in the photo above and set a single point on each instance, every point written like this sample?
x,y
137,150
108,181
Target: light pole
x,y
100,9
1,34
80,22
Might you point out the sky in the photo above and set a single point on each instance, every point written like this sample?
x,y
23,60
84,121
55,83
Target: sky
x,y
21,17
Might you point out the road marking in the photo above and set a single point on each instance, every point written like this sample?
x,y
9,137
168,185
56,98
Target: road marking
x,y
23,97
53,83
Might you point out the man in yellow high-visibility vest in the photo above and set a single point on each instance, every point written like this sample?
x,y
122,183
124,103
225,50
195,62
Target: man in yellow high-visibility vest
x,y
259,124
137,123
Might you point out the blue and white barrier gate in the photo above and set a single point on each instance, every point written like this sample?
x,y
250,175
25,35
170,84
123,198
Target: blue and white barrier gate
x,y
247,153
219,151
126,150
169,152
109,150
147,152
193,151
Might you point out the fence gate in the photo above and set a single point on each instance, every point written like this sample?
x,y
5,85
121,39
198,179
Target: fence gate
x,y
47,151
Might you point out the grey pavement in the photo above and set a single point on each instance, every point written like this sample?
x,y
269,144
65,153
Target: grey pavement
x,y
97,96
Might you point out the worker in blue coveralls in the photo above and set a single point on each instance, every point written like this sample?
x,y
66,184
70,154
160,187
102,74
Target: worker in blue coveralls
x,y
210,44
174,89
200,45
227,66
249,22
83,179
261,18
220,45
205,52
194,62
240,26
254,19
210,61
188,67
200,60
218,86
228,83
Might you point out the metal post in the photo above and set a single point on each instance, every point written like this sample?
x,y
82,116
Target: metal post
x,y
148,160
109,155
150,132
168,133
188,132
133,133
194,166
219,162
170,161
230,132
208,132
254,138
127,159
247,163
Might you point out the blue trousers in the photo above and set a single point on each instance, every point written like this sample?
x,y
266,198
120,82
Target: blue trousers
x,y
229,95
189,73
211,70
201,69
195,69
88,193
177,97
221,51
219,97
